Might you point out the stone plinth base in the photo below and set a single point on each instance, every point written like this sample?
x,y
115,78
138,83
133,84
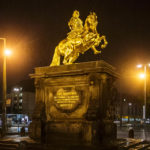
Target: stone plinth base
x,y
74,103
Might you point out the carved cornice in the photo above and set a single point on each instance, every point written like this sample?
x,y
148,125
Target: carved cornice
x,y
75,69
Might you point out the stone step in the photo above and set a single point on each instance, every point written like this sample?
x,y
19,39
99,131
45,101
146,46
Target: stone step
x,y
8,145
133,144
142,146
7,148
121,142
130,144
124,144
35,146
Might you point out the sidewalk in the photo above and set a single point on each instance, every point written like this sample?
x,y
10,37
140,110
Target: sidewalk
x,y
139,132
16,142
17,138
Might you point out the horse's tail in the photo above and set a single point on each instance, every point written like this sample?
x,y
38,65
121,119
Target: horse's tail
x,y
56,58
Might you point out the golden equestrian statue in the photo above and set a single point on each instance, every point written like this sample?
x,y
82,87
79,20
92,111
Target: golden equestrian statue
x,y
79,39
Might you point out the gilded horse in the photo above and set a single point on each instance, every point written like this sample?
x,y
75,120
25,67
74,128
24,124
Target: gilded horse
x,y
79,42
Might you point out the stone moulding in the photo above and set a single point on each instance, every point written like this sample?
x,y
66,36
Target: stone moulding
x,y
99,66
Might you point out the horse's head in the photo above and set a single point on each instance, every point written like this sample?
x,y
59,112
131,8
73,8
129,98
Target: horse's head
x,y
91,22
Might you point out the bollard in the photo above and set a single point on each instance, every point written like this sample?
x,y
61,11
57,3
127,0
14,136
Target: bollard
x,y
131,133
0,132
22,132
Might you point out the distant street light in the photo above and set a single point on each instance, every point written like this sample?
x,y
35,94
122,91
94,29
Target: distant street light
x,y
130,104
6,53
143,76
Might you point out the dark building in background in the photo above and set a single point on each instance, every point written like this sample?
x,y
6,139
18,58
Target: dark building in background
x,y
128,108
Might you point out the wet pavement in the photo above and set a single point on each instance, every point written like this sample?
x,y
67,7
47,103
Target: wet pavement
x,y
142,132
16,142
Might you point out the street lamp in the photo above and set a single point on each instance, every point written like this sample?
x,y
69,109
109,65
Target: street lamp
x,y
143,76
6,53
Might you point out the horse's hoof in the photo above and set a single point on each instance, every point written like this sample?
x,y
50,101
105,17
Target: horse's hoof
x,y
103,46
97,52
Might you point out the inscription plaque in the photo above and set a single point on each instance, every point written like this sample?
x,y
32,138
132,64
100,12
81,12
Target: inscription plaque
x,y
67,99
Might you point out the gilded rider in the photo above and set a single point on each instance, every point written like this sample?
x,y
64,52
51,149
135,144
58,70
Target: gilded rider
x,y
76,26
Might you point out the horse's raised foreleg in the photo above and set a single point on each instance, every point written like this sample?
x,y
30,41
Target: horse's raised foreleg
x,y
56,58
105,41
95,50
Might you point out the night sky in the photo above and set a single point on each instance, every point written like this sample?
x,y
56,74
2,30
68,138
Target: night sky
x,y
34,28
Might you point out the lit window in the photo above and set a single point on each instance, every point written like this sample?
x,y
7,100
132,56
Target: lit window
x,y
20,107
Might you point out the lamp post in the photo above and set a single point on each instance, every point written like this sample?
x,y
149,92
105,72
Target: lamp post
x,y
5,53
143,76
129,111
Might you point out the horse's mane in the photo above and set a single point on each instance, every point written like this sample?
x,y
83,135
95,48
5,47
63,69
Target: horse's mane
x,y
91,22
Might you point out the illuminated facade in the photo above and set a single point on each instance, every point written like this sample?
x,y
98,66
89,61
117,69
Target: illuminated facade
x,y
22,102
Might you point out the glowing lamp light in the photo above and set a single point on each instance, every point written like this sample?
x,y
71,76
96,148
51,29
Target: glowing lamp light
x,y
139,66
16,89
142,75
130,104
7,52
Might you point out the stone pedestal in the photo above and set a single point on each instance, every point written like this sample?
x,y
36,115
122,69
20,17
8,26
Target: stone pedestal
x,y
74,103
